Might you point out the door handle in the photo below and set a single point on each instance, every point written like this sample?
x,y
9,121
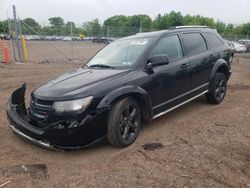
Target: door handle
x,y
211,56
184,65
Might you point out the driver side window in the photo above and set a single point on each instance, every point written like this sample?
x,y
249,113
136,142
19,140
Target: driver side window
x,y
169,46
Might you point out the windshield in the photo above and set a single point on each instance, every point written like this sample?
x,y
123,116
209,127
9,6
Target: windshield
x,y
119,54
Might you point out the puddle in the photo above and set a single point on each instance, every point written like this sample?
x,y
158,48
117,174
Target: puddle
x,y
152,146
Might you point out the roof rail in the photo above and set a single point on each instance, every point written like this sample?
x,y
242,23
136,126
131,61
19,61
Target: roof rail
x,y
188,26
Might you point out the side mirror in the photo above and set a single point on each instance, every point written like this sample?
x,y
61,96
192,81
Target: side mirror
x,y
158,60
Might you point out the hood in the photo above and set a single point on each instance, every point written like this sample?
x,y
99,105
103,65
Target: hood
x,y
66,86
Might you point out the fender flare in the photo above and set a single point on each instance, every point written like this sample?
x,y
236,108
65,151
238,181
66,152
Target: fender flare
x,y
137,92
220,63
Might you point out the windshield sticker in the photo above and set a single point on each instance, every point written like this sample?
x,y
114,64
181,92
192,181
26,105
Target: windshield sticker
x,y
139,42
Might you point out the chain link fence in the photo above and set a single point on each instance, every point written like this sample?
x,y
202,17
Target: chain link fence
x,y
74,47
235,37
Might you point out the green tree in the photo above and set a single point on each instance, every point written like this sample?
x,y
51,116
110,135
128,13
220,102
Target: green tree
x,y
92,28
175,18
136,21
198,20
156,22
47,30
169,20
56,22
68,28
116,21
57,26
31,23
220,27
117,25
120,25
4,26
188,20
245,29
229,29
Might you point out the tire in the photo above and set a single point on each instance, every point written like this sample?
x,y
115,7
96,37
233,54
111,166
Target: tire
x,y
124,122
218,88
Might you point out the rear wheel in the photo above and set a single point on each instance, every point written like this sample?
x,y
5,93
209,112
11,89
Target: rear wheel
x,y
217,89
124,122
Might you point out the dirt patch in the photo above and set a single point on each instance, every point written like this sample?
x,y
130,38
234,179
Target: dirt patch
x,y
197,145
38,170
238,87
152,146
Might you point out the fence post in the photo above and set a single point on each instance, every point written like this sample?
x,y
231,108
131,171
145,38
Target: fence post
x,y
108,32
71,33
24,47
140,26
17,34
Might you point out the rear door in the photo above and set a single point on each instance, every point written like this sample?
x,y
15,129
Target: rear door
x,y
201,59
216,45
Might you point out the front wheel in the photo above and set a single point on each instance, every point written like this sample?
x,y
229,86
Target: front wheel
x,y
218,88
124,122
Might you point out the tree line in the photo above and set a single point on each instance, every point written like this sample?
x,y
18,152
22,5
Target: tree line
x,y
120,25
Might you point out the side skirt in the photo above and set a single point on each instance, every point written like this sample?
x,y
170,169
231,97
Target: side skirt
x,y
177,106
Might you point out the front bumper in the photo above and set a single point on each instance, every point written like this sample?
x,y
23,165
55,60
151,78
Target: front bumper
x,y
91,131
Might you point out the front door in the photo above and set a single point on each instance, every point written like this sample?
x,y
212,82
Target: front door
x,y
168,82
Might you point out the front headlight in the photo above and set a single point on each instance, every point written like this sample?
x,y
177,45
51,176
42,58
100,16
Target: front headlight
x,y
75,106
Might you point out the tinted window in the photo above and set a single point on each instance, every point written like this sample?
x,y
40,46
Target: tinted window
x,y
212,40
194,43
170,46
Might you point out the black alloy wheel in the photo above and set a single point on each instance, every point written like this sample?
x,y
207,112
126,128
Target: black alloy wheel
x,y
124,122
217,89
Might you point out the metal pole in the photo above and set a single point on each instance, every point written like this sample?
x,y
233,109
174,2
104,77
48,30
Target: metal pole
x,y
16,34
72,51
12,50
140,26
20,34
247,34
108,31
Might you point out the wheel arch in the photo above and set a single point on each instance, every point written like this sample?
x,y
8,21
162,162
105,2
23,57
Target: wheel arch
x,y
222,67
138,93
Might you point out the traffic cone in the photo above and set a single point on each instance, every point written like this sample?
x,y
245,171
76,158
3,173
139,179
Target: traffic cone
x,y
5,49
6,55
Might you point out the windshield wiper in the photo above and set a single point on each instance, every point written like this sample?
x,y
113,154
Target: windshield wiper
x,y
102,66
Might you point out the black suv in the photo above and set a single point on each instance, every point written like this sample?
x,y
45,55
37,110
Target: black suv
x,y
129,82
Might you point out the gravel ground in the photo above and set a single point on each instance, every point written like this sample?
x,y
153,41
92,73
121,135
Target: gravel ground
x,y
197,145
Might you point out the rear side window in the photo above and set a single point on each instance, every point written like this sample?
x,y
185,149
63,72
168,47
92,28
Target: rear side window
x,y
194,43
212,40
170,46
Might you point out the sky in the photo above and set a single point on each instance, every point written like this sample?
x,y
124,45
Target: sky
x,y
79,11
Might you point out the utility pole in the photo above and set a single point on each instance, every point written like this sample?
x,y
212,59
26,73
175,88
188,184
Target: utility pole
x,y
16,34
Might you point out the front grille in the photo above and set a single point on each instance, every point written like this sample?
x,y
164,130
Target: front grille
x,y
39,109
